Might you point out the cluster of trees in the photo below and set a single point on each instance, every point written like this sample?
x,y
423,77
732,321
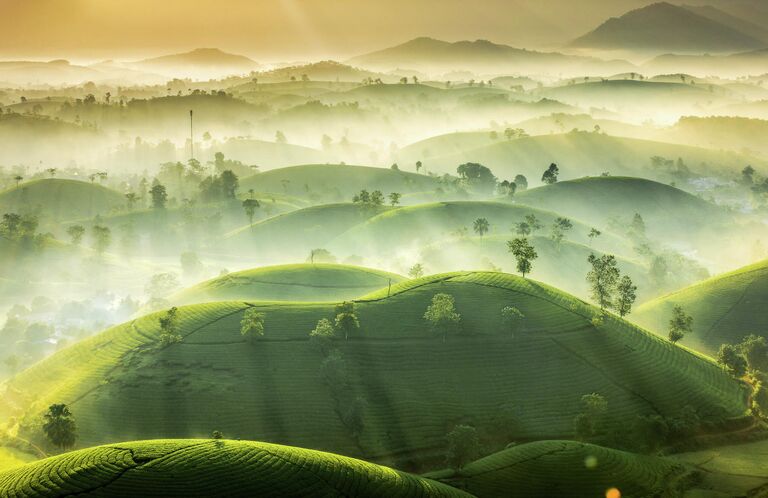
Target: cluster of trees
x,y
169,327
609,289
375,199
349,406
20,228
748,356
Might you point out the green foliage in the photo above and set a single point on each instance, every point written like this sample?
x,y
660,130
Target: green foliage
x,y
18,227
680,324
511,317
76,233
322,335
442,315
559,227
626,295
252,324
158,194
59,426
394,198
102,238
463,446
477,176
346,318
169,327
728,356
524,254
550,175
754,348
481,226
589,423
603,279
250,206
416,271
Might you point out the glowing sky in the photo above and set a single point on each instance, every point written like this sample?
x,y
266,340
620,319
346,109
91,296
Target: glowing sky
x,y
269,29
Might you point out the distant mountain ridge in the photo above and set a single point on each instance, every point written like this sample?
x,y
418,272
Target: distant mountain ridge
x,y
671,28
427,53
209,57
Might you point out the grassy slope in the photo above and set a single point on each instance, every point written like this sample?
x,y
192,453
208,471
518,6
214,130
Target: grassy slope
x,y
187,468
61,199
10,458
299,282
564,267
293,235
724,308
121,386
559,468
578,154
596,199
411,227
336,182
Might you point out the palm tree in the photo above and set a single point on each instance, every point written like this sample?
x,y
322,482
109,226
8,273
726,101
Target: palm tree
x,y
481,227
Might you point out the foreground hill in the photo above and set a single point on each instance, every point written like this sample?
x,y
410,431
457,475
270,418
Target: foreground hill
x,y
337,182
667,28
566,468
60,200
725,308
211,468
391,392
301,282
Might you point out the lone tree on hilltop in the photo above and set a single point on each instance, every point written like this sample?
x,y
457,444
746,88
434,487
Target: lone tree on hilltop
x,y
252,324
680,324
603,279
442,315
463,446
416,271
481,226
625,296
550,175
59,426
524,254
346,318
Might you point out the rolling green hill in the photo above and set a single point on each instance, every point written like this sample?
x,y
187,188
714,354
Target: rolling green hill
x,y
580,154
210,468
292,235
301,282
406,229
564,266
61,200
336,182
409,387
725,308
598,199
566,468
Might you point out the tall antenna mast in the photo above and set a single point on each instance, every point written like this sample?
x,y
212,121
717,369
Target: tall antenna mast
x,y
191,137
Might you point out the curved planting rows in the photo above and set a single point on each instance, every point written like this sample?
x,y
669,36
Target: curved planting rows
x,y
566,468
414,386
187,468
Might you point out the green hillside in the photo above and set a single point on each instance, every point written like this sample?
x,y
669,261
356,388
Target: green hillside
x,y
408,228
60,200
725,308
564,266
300,282
335,182
292,235
567,468
580,154
598,199
409,386
211,468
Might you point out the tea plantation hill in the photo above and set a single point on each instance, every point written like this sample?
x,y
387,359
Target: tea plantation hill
x,y
567,468
211,468
576,153
297,282
60,200
725,308
563,265
337,182
412,387
415,226
291,236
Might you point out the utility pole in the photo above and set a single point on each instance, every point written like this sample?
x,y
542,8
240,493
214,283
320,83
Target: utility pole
x,y
191,137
